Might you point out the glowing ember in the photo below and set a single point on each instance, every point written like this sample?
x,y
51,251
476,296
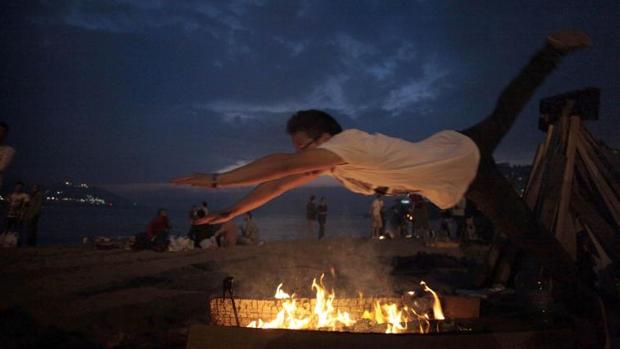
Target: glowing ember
x,y
324,316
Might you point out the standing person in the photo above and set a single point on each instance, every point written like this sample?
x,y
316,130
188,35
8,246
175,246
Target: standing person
x,y
158,229
17,202
33,211
376,216
311,215
249,231
458,214
6,151
322,216
442,168
421,226
408,220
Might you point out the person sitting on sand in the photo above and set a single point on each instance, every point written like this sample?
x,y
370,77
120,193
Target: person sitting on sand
x,y
226,235
249,231
158,229
443,167
200,232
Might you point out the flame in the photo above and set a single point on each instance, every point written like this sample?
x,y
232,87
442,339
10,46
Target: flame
x,y
281,294
324,315
437,310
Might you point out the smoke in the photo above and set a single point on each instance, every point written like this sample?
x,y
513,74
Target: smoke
x,y
350,266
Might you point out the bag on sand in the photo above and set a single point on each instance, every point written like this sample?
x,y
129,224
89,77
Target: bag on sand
x,y
180,244
8,239
208,243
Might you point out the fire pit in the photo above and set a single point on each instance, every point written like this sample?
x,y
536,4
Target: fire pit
x,y
419,318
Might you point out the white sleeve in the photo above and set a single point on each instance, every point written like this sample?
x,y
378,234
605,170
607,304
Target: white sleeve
x,y
352,146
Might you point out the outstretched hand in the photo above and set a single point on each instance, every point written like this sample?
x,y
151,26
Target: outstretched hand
x,y
214,218
197,179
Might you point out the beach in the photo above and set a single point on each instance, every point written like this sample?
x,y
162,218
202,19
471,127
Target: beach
x,y
121,298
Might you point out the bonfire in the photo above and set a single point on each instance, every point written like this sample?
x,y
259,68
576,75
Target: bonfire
x,y
322,314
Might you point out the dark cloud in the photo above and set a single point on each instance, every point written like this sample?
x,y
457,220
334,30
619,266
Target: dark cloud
x,y
139,91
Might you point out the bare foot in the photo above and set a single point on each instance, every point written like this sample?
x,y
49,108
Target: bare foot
x,y
569,40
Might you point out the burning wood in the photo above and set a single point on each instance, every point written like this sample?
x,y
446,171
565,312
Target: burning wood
x,y
321,313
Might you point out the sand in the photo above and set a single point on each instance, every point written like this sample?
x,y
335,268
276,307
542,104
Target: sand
x,y
120,298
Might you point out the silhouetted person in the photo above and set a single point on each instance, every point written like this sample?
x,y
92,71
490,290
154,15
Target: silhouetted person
x,y
376,216
33,211
322,216
249,231
16,212
158,229
311,214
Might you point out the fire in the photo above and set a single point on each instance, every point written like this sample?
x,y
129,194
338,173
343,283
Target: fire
x,y
323,315
281,294
437,311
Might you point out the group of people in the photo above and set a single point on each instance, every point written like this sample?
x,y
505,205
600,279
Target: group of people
x,y
409,218
222,235
405,218
22,208
158,232
316,214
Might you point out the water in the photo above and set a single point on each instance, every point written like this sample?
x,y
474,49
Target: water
x,y
61,225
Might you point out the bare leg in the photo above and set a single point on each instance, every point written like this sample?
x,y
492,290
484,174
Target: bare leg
x,y
489,132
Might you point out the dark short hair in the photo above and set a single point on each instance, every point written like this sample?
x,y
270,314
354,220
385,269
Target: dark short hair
x,y
313,122
4,125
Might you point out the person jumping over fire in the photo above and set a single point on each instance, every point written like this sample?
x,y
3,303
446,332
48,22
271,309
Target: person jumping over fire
x,y
443,167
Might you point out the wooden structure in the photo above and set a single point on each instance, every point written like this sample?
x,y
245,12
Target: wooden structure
x,y
574,186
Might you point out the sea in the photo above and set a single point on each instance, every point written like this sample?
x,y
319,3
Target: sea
x,y
281,219
62,225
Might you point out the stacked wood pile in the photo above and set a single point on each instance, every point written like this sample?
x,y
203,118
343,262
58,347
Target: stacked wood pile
x,y
573,187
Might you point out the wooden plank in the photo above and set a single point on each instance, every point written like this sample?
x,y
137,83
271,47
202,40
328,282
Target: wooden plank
x,y
597,156
612,201
600,251
534,182
210,337
607,235
547,211
544,208
564,230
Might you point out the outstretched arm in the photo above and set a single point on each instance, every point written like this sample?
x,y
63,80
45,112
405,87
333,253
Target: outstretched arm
x,y
262,194
267,169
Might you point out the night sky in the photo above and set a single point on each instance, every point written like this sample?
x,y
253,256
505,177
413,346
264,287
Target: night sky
x,y
128,94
